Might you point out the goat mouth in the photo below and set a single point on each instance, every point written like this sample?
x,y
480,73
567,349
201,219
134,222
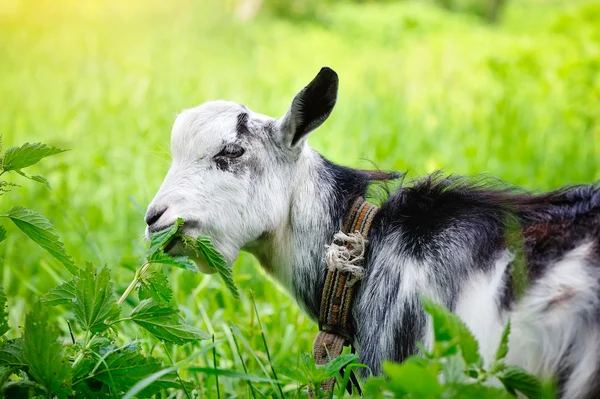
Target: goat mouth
x,y
171,244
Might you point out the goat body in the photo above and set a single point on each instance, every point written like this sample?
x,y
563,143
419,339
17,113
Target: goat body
x,y
252,183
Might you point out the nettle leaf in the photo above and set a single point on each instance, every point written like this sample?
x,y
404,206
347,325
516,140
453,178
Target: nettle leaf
x,y
163,321
2,233
5,373
36,178
503,347
449,329
218,262
61,295
39,229
43,353
516,379
155,285
454,369
410,378
27,155
22,389
94,305
183,262
121,369
159,240
3,313
333,367
11,353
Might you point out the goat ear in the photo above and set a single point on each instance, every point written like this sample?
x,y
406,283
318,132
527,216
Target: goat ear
x,y
310,108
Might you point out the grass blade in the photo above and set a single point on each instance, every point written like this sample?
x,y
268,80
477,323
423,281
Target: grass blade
x,y
140,386
262,333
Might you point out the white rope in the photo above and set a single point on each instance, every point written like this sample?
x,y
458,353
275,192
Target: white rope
x,y
346,254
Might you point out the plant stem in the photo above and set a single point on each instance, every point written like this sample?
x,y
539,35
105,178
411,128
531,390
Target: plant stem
x,y
214,351
136,279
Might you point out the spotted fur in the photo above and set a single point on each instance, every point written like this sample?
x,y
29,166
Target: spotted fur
x,y
443,237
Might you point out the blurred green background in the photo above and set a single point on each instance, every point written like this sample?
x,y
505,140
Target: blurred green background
x,y
424,85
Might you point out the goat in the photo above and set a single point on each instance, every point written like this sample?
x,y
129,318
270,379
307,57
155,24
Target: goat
x,y
252,183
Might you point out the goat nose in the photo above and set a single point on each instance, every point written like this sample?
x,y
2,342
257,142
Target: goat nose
x,y
154,214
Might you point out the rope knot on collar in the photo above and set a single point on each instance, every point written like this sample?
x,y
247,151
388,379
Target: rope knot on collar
x,y
347,254
345,259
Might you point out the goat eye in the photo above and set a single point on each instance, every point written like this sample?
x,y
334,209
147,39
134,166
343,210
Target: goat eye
x,y
231,151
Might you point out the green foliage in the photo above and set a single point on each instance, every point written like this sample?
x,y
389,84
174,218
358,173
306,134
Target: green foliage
x,y
11,354
503,347
3,313
94,305
160,239
450,333
455,354
44,355
62,294
206,250
95,367
34,225
308,374
39,229
517,379
162,321
17,158
155,285
121,368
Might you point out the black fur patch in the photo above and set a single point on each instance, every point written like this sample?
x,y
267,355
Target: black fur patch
x,y
241,126
315,102
451,226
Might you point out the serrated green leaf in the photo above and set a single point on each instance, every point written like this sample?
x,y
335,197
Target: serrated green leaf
x,y
2,233
410,378
294,374
503,347
155,285
449,328
22,389
5,373
36,178
160,239
163,322
43,353
27,155
94,304
61,295
453,369
39,229
516,379
11,353
218,262
3,313
125,367
333,367
183,262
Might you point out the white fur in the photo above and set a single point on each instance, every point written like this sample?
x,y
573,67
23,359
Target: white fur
x,y
233,209
554,313
478,306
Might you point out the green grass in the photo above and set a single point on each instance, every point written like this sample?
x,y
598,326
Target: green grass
x,y
421,89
